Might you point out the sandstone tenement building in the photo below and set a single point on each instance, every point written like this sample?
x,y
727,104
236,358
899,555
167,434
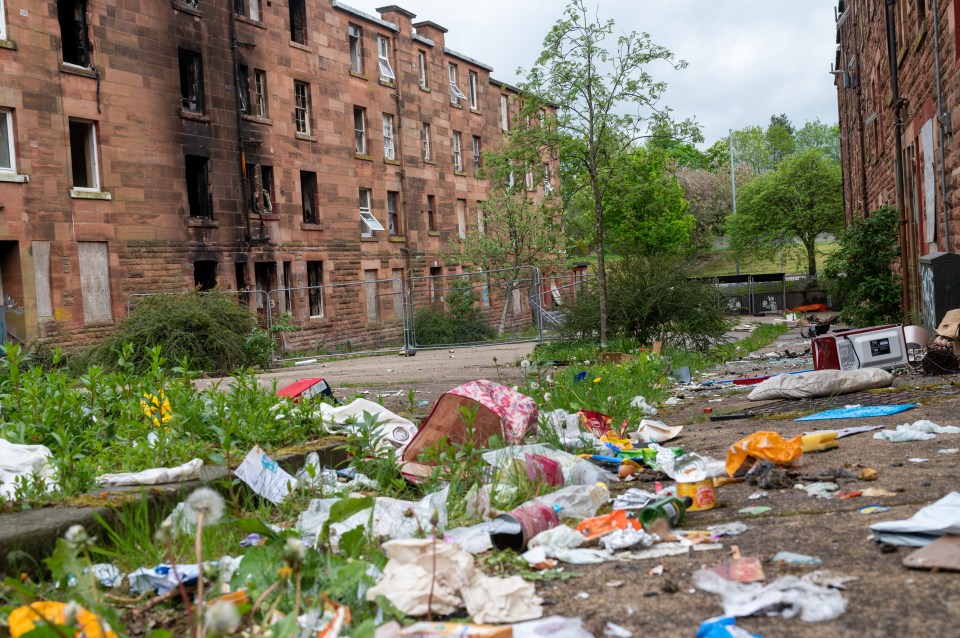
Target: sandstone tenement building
x,y
157,145
898,89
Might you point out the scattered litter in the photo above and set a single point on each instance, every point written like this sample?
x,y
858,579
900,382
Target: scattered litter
x,y
505,457
616,631
265,476
943,553
427,575
741,570
873,509
822,489
768,446
641,404
442,629
474,539
819,442
672,401
723,627
788,596
651,431
874,492
553,626
189,471
163,578
950,450
766,475
844,495
755,511
757,495
867,411
918,460
576,502
827,578
938,519
47,617
922,430
583,595
820,383
516,528
564,544
791,558
656,571
21,462
633,499
734,528
627,539
688,468
869,474
391,430
596,423
312,473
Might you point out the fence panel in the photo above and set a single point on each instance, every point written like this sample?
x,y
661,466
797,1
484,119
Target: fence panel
x,y
357,317
475,308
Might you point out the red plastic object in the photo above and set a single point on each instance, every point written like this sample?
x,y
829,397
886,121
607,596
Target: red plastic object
x,y
597,422
305,388
541,469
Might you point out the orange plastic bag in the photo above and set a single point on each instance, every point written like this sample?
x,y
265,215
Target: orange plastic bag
x,y
769,446
23,620
594,528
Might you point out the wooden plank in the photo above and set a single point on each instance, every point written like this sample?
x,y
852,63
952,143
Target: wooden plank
x,y
41,277
95,281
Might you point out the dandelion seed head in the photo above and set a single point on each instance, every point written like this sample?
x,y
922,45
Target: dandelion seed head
x,y
207,502
222,617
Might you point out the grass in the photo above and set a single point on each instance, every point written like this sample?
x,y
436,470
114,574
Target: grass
x,y
724,261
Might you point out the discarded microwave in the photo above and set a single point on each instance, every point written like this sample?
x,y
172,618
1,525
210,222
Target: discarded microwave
x,y
305,388
880,347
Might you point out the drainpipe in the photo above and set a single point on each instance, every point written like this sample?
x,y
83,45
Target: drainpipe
x,y
941,117
898,153
241,156
408,348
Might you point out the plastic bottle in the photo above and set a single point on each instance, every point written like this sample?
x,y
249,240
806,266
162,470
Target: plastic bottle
x,y
670,509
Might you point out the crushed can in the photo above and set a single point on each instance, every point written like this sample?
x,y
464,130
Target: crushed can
x,y
515,529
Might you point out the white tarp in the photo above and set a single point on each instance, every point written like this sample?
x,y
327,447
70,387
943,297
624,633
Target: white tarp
x,y
820,383
924,527
21,462
189,471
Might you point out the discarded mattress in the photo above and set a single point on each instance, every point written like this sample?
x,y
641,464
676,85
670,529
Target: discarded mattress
x,y
19,463
500,411
820,383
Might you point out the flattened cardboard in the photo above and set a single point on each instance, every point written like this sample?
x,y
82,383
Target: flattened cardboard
x,y
943,553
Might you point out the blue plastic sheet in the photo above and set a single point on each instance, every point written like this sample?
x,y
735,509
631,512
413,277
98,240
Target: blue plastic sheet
x,y
861,412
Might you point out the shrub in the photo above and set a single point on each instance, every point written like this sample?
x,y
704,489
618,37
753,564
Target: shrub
x,y
650,297
210,328
858,275
462,323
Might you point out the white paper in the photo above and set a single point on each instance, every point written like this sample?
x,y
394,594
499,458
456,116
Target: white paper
x,y
264,476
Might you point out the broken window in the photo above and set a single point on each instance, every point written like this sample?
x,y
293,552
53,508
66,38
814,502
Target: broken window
x,y
247,8
431,214
473,90
315,288
504,113
476,152
528,180
308,197
74,37
455,93
7,158
199,197
383,59
266,189
368,223
191,81
422,64
355,36
388,149
243,88
301,106
83,155
260,86
360,129
393,216
298,21
425,138
547,185
205,275
457,151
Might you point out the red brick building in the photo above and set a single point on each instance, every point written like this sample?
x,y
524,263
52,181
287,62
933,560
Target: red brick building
x,y
897,73
155,145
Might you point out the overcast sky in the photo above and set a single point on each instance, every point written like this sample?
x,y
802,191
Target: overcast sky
x,y
748,59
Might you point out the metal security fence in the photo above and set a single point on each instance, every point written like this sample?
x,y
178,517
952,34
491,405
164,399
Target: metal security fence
x,y
556,295
752,294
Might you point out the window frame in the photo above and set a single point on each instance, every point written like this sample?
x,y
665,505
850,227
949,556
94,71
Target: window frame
x,y
455,93
205,205
243,88
260,91
313,200
389,149
301,111
547,185
82,29
462,218
393,213
266,197
315,268
367,218
6,123
360,132
301,12
383,59
473,87
355,43
3,20
476,146
93,163
457,151
194,61
426,142
431,214
422,63
504,113
248,9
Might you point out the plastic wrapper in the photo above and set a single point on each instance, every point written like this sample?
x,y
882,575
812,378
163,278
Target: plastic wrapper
x,y
928,524
586,473
768,446
627,539
787,596
564,544
576,501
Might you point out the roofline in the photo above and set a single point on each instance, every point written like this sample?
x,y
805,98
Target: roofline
x,y
518,91
336,4
431,24
467,58
398,9
416,37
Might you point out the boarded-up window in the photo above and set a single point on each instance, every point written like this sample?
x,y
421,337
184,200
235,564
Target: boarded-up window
x,y
398,292
41,277
370,277
95,281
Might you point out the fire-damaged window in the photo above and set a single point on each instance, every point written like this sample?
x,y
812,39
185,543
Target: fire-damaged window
x,y
247,8
315,289
199,197
260,183
191,81
298,21
243,88
308,195
74,36
301,107
83,156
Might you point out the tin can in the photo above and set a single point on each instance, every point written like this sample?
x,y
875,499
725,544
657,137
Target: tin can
x,y
702,493
517,528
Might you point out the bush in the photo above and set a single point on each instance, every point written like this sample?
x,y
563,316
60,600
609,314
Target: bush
x,y
650,297
858,275
216,333
463,323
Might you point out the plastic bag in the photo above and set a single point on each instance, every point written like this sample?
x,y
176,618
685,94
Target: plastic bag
x,y
586,473
762,445
576,502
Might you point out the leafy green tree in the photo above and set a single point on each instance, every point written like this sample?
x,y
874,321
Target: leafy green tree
x,y
797,202
750,147
683,152
859,275
606,92
709,198
824,137
779,137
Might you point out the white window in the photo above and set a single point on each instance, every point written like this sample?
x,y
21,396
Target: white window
x,y
455,93
462,218
356,48
425,138
383,57
511,179
388,152
301,107
504,114
260,88
473,90
3,21
476,152
547,186
368,223
95,281
8,161
83,156
247,8
422,63
481,219
528,179
360,129
255,10
457,152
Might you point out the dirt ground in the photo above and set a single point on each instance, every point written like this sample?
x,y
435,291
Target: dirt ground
x,y
886,600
